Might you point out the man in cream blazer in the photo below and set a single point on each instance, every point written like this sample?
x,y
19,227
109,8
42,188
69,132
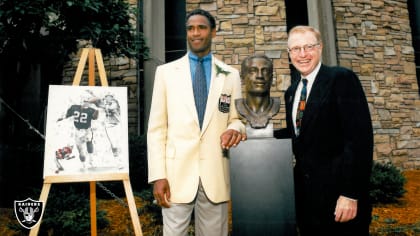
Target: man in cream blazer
x,y
188,165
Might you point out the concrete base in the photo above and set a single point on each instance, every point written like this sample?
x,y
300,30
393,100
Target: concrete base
x,y
262,188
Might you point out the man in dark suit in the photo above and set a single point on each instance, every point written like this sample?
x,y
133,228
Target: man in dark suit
x,y
332,141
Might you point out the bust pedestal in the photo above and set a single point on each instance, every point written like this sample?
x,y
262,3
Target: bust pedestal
x,y
262,187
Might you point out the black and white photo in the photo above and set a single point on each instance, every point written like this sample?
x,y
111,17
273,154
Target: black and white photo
x,y
86,130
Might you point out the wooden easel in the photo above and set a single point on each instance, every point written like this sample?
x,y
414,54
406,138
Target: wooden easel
x,y
92,53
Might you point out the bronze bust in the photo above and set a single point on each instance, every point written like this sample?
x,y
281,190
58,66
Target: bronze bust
x,y
257,107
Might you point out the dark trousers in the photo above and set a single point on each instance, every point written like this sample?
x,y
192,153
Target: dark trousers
x,y
351,228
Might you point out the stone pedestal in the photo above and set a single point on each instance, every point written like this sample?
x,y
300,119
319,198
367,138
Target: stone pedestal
x,y
262,188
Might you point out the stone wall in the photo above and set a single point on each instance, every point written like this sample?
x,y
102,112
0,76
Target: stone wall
x,y
248,27
374,39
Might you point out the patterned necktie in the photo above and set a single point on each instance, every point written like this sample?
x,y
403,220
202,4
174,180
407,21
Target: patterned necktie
x,y
301,106
200,90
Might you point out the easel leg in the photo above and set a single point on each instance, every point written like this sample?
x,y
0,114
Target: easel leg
x,y
43,198
93,208
132,207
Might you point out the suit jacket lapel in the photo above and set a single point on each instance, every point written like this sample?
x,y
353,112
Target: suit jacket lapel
x,y
289,99
216,86
317,97
184,84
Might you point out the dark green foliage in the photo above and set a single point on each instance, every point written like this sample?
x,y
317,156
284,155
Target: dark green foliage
x,y
36,29
154,210
68,212
138,162
138,170
20,171
387,183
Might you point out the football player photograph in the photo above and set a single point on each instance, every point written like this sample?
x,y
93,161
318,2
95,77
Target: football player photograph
x,y
82,116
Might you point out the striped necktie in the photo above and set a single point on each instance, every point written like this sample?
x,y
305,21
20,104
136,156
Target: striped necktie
x,y
200,90
301,106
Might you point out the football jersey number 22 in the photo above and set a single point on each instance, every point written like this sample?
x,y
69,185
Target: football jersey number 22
x,y
80,117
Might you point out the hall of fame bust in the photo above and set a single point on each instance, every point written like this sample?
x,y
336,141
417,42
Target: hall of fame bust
x,y
262,161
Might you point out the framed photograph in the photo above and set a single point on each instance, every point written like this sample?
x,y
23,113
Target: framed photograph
x,y
86,130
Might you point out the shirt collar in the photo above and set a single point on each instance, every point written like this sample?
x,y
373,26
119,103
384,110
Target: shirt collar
x,y
312,75
194,57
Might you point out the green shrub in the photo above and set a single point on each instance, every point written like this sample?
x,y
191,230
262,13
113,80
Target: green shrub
x,y
68,213
148,206
138,162
386,183
137,170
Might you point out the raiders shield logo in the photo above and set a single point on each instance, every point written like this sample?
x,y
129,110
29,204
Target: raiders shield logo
x,y
28,212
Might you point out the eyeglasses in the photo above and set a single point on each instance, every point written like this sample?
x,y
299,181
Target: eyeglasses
x,y
306,48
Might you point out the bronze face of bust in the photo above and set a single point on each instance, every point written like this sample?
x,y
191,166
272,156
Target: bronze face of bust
x,y
257,107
